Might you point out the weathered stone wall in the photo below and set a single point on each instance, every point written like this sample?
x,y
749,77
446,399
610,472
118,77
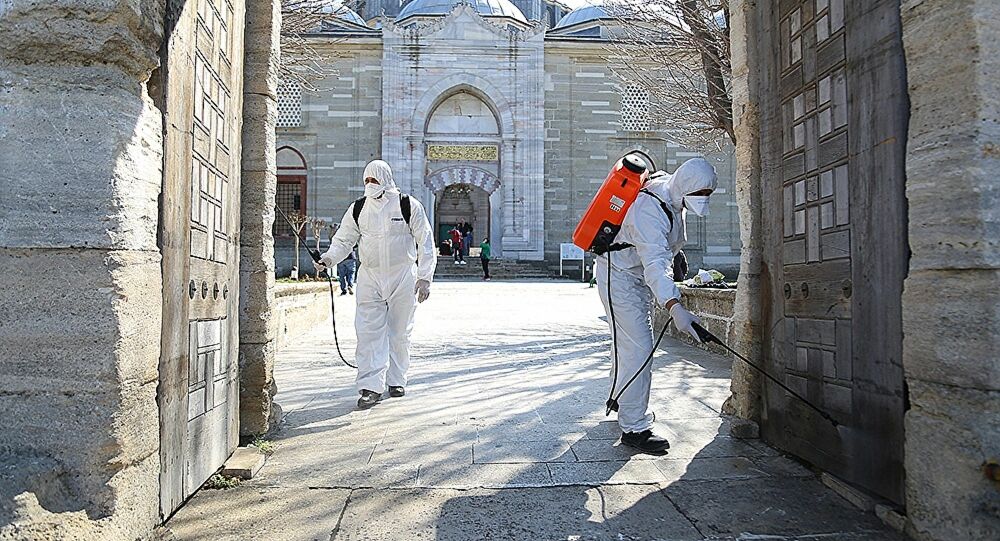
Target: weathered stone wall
x,y
258,414
80,173
299,308
584,136
746,336
951,320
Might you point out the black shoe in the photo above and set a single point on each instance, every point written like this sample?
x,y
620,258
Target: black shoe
x,y
646,441
368,399
396,391
342,293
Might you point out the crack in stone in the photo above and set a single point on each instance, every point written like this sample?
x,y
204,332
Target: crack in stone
x,y
340,519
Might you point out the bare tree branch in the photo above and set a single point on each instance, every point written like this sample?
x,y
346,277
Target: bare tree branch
x,y
678,50
300,62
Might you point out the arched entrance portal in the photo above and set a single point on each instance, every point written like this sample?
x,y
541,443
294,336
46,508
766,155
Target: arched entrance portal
x,y
462,203
463,167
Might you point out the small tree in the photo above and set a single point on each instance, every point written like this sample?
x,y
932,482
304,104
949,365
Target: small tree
x,y
678,51
299,222
318,225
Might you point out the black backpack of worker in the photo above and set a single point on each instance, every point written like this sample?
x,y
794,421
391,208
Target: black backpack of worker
x,y
404,207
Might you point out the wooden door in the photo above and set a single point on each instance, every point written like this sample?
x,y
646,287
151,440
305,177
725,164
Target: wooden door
x,y
199,221
834,119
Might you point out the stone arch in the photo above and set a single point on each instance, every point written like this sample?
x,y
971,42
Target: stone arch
x,y
464,82
463,174
289,157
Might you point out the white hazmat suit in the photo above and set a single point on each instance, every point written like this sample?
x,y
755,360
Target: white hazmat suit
x,y
642,275
396,259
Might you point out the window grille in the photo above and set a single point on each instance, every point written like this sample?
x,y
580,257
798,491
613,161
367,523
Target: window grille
x,y
289,105
635,109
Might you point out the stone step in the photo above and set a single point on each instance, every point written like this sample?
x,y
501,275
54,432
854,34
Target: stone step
x,y
502,269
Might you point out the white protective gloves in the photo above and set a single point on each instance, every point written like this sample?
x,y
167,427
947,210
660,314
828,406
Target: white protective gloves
x,y
423,290
683,320
320,266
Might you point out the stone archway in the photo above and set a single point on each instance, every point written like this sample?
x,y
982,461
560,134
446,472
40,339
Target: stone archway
x,y
463,167
462,203
464,193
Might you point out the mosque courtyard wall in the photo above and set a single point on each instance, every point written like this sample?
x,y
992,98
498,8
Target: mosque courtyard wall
x,y
559,119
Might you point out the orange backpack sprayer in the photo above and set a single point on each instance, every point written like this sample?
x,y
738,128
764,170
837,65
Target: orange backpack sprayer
x,y
603,219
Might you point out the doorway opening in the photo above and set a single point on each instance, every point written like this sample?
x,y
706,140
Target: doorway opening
x,y
462,203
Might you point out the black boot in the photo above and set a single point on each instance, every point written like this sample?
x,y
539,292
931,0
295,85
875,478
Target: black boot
x,y
646,441
396,391
368,399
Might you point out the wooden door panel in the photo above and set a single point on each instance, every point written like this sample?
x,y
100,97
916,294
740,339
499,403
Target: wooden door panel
x,y
198,395
835,252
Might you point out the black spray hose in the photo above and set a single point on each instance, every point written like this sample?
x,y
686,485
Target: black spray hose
x,y
329,278
612,402
707,337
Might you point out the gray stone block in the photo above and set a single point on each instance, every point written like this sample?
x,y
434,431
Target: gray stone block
x,y
949,433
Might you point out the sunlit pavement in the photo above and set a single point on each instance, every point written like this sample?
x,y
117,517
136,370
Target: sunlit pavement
x,y
502,435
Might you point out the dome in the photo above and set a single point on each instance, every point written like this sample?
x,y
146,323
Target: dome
x,y
486,8
342,12
583,15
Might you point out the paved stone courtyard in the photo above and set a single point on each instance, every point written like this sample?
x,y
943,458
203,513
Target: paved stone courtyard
x,y
502,435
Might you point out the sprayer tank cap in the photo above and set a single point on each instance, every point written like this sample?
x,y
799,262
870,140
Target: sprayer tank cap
x,y
634,163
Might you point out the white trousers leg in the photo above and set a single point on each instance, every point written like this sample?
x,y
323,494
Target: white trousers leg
x,y
383,323
633,333
402,307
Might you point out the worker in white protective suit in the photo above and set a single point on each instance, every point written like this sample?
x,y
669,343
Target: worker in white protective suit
x,y
641,277
397,258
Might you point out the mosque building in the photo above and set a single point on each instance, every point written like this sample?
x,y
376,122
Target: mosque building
x,y
502,113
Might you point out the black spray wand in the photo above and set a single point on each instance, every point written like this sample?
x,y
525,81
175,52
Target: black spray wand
x,y
329,278
707,337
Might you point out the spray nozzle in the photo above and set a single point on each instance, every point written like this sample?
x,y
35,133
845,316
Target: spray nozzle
x,y
704,334
612,405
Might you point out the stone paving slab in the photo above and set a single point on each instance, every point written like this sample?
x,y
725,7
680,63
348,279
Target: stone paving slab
x,y
792,507
517,452
580,513
606,473
484,476
503,435
738,467
246,513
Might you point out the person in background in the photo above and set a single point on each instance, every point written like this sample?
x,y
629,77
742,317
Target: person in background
x,y
467,237
485,254
345,272
456,244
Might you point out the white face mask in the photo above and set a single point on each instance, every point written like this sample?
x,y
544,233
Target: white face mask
x,y
697,204
373,190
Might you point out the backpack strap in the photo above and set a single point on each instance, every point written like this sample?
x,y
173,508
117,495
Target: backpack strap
x,y
356,210
619,246
663,205
404,207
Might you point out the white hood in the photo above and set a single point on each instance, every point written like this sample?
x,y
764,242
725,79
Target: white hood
x,y
693,175
380,170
